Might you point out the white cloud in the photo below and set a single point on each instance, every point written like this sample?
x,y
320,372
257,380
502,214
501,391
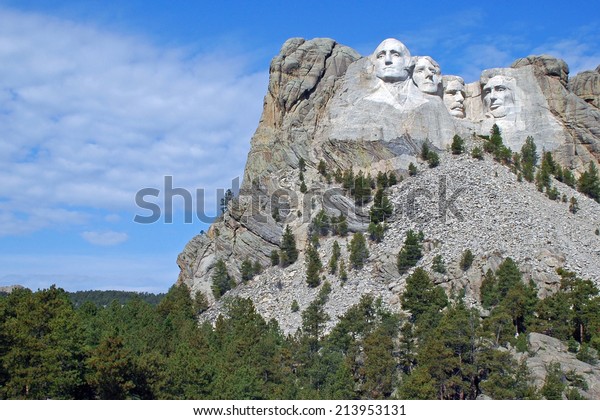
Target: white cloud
x,y
90,117
106,238
151,273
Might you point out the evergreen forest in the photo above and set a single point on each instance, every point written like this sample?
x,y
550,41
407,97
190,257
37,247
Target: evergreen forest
x,y
442,348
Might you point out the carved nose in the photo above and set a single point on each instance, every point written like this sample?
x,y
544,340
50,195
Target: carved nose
x,y
388,58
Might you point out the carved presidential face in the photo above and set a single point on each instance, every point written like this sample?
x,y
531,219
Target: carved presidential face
x,y
498,96
427,75
454,97
391,59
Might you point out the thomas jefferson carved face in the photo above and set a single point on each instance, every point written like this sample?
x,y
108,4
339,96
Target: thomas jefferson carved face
x,y
427,75
498,96
454,96
391,60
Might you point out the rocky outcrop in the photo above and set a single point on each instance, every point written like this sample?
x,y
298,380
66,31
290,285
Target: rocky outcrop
x,y
545,350
326,103
586,85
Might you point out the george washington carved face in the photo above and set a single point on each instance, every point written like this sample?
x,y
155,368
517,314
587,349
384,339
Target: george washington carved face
x,y
391,59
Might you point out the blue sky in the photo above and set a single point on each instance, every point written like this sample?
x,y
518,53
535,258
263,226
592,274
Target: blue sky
x,y
99,99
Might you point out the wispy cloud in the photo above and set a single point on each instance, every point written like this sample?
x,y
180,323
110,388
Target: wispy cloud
x,y
89,117
106,238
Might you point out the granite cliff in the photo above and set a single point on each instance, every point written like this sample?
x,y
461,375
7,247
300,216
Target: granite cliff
x,y
327,103
329,111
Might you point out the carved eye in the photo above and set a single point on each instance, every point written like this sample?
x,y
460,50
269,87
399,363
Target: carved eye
x,y
381,55
500,88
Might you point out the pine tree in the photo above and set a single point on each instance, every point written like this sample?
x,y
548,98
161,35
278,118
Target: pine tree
x,y
247,270
529,159
361,190
589,182
303,188
382,180
422,296
274,258
392,179
301,165
466,260
433,159
458,145
358,251
412,169
438,264
221,280
313,267
320,223
343,272
425,151
289,253
410,253
335,256
574,205
376,231
477,153
382,207
322,168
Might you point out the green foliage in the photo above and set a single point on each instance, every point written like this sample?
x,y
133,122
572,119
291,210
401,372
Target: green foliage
x,y
289,253
274,258
425,151
410,253
358,251
335,256
553,385
339,225
552,193
313,267
247,270
361,189
221,280
382,180
589,182
303,188
458,145
301,165
433,159
438,265
343,272
392,179
322,168
529,154
573,205
512,302
412,169
376,231
477,153
382,208
466,260
105,297
295,306
320,223
422,297
569,178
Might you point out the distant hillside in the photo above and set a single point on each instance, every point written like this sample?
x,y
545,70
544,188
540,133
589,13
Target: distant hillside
x,y
105,297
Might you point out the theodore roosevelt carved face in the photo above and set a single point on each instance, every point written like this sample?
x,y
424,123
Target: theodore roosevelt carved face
x,y
454,95
427,75
391,59
498,96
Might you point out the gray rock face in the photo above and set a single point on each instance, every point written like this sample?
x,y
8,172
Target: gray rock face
x,y
545,350
325,102
586,85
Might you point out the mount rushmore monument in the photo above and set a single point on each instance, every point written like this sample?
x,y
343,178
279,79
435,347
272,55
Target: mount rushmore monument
x,y
326,103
